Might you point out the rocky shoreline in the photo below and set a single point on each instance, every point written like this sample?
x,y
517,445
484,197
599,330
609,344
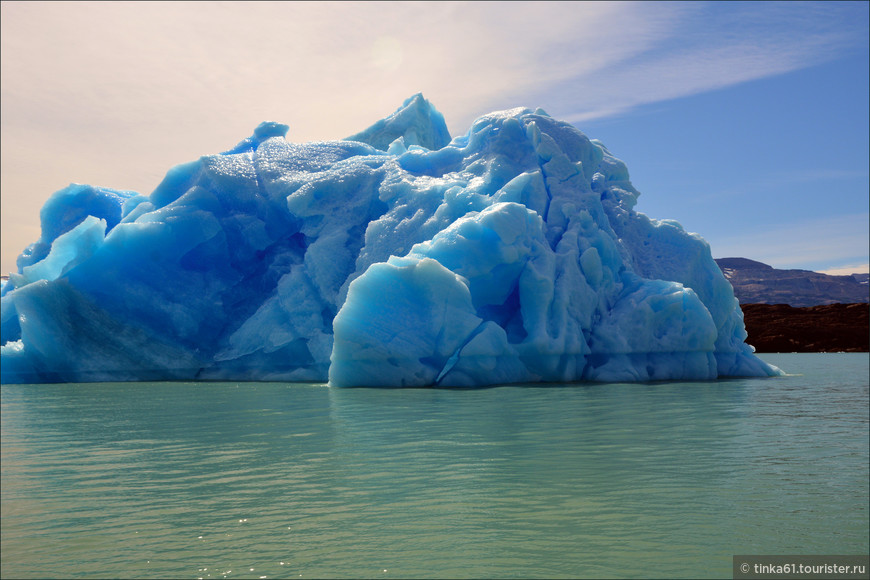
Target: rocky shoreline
x,y
824,328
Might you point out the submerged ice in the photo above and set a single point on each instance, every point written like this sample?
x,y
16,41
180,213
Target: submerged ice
x,y
396,257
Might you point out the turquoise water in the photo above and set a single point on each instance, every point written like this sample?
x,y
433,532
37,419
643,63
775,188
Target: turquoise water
x,y
254,480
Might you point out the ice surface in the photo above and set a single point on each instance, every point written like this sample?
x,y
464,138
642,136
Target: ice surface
x,y
396,257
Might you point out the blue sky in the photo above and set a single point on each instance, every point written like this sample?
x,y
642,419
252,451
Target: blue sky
x,y
746,122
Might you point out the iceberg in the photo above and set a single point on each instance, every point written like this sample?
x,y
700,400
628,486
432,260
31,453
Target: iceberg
x,y
398,257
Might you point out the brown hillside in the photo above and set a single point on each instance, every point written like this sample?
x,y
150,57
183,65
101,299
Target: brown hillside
x,y
825,328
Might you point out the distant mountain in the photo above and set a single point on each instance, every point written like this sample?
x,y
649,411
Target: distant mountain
x,y
758,283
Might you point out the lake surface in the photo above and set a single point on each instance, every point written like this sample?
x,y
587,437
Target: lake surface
x,y
263,480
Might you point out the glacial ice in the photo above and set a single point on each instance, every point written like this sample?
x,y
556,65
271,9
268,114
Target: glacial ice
x,y
396,257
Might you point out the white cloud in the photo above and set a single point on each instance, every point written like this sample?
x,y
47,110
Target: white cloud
x,y
708,50
810,244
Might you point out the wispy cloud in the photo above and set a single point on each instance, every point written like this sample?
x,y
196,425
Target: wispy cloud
x,y
332,67
778,183
115,93
807,244
710,47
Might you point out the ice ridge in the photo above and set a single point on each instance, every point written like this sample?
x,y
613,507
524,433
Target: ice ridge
x,y
397,257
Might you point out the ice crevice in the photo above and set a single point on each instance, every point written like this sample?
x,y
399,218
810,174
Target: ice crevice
x,y
454,358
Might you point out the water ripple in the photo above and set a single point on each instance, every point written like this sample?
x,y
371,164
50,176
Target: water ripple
x,y
285,481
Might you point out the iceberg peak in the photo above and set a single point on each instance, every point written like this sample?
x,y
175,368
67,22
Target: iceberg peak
x,y
263,131
396,257
416,122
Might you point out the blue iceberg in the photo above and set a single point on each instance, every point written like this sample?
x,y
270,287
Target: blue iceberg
x,y
396,257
